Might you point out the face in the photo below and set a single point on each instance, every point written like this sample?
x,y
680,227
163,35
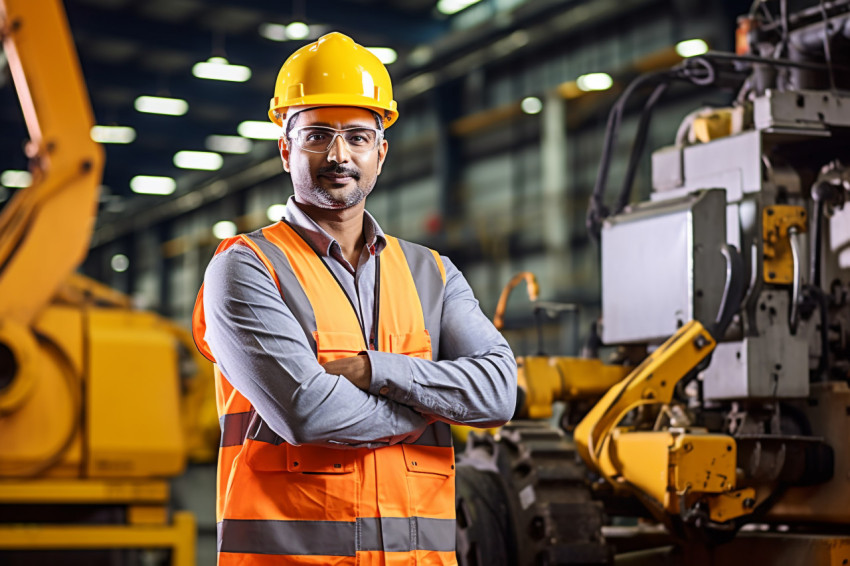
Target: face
x,y
339,178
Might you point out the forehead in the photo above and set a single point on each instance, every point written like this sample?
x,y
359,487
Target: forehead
x,y
337,116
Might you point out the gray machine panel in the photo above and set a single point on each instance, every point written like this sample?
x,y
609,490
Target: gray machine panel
x,y
663,265
774,364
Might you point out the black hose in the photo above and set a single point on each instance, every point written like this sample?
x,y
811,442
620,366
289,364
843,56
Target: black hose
x,y
638,146
597,211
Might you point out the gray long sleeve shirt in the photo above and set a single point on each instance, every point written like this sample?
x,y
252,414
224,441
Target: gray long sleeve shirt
x,y
262,350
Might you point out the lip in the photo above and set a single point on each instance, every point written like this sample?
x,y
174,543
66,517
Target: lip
x,y
341,179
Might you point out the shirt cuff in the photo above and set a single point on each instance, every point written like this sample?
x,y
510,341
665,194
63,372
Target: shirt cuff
x,y
391,376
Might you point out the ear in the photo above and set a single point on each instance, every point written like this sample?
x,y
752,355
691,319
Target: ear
x,y
284,153
382,154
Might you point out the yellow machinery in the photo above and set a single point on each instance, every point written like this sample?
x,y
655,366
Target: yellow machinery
x,y
729,291
90,390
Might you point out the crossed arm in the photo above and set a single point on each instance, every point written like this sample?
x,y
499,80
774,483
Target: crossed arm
x,y
372,400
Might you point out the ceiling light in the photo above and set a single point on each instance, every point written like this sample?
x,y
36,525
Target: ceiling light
x,y
229,144
594,81
13,178
218,69
275,212
224,229
160,105
150,185
420,55
119,263
691,47
297,30
387,55
259,130
113,134
450,7
274,32
203,160
531,105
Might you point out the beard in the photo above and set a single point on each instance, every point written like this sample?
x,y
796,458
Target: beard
x,y
321,197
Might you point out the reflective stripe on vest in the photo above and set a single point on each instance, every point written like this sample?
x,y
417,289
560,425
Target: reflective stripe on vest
x,y
337,538
413,514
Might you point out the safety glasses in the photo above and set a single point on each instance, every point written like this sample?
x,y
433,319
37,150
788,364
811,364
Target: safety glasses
x,y
319,139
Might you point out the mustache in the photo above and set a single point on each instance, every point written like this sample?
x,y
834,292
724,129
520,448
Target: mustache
x,y
338,169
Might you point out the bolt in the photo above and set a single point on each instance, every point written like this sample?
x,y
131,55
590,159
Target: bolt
x,y
749,503
770,212
771,275
700,342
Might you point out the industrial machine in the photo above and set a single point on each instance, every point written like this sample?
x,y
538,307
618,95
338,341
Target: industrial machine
x,y
90,389
721,433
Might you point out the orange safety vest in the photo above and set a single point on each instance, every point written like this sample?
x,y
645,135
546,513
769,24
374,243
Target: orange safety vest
x,y
280,503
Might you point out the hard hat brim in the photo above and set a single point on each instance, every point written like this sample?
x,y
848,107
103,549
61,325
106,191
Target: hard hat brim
x,y
277,107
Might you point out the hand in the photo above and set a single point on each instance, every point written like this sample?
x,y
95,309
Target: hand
x,y
356,369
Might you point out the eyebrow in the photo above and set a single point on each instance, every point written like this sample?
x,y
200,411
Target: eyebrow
x,y
344,127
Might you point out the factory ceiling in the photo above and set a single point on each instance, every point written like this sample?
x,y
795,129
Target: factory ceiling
x,y
151,48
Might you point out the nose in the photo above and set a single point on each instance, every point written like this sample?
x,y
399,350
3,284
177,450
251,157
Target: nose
x,y
339,151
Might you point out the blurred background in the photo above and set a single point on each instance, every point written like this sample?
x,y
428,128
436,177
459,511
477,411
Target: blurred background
x,y
502,106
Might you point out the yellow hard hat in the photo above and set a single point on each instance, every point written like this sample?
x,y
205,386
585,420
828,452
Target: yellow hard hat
x,y
333,71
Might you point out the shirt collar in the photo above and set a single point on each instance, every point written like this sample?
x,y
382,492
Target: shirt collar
x,y
323,242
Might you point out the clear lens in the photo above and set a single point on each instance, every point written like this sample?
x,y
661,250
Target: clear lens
x,y
319,139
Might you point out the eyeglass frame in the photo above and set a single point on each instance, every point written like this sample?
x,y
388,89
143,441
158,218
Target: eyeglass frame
x,y
379,135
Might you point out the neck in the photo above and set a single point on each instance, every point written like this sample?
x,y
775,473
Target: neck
x,y
344,225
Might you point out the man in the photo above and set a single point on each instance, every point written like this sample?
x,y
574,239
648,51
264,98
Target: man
x,y
341,353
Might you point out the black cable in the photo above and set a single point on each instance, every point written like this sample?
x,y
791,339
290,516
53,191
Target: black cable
x,y
597,211
638,146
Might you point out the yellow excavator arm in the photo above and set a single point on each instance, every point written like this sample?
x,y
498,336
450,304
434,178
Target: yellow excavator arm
x,y
45,229
672,469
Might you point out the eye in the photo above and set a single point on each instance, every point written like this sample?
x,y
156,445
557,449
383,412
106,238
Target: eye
x,y
315,136
359,137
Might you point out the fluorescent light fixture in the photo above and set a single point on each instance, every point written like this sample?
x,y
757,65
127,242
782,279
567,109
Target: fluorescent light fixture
x,y
450,7
691,47
259,130
203,160
113,134
275,212
229,144
274,32
160,105
224,229
13,178
150,185
387,55
420,55
594,81
297,30
119,263
531,105
219,69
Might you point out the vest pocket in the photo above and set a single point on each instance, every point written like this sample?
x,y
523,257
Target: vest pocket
x,y
430,480
414,344
265,457
438,460
337,345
